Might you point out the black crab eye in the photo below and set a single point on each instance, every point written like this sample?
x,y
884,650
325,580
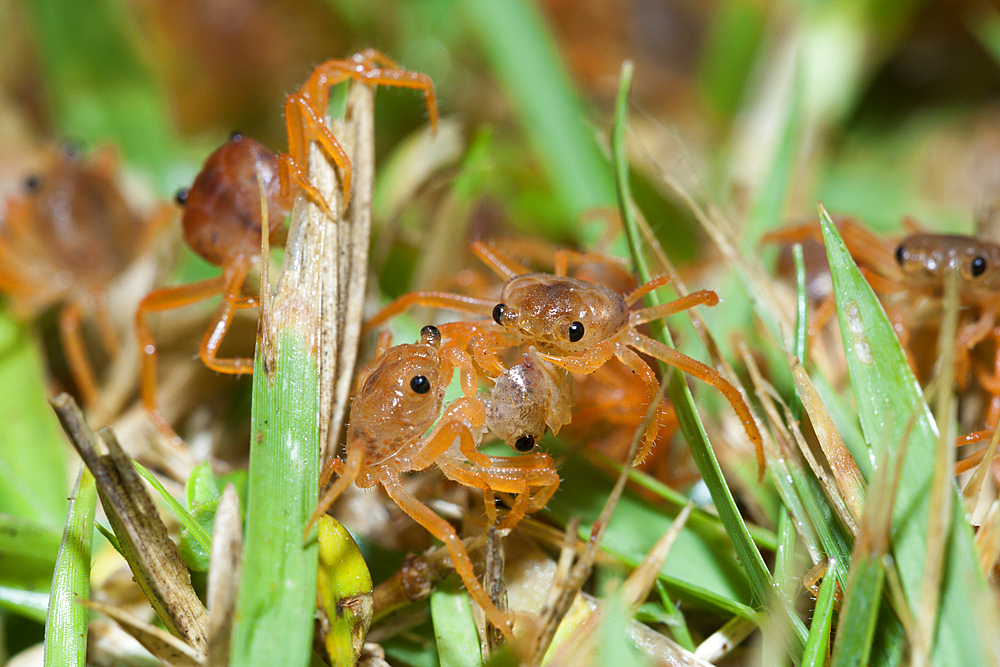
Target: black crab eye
x,y
525,443
32,183
978,266
420,384
900,255
181,197
498,313
430,335
575,332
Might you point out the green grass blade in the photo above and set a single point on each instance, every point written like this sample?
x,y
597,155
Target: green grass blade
x,y
66,627
856,629
454,629
32,450
674,619
194,528
801,317
525,59
27,551
680,394
819,630
30,604
277,597
887,396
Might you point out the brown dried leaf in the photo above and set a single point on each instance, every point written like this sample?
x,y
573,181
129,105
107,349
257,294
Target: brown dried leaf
x,y
164,646
151,554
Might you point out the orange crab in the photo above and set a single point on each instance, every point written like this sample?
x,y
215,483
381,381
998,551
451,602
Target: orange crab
x,y
909,275
65,237
576,325
399,398
222,223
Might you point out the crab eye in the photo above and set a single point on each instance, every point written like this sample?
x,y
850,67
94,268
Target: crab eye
x,y
900,255
420,384
498,313
575,332
32,183
525,443
978,266
430,335
181,197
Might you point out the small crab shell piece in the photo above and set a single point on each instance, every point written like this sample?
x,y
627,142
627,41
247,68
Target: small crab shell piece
x,y
925,259
527,398
559,313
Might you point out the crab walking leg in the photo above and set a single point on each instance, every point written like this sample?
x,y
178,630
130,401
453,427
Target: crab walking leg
x,y
504,266
462,304
443,531
348,473
166,298
510,475
76,352
645,373
669,355
705,297
374,68
217,329
300,117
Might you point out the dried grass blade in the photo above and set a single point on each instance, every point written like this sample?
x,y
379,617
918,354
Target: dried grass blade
x,y
145,542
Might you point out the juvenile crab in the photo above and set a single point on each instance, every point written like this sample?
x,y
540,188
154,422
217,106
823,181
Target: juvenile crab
x,y
222,223
65,237
528,398
578,326
399,397
909,276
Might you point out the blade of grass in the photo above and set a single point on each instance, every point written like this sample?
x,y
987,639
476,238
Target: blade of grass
x,y
276,603
887,394
32,458
454,628
859,615
522,54
758,575
819,630
801,317
27,550
30,604
194,528
674,619
66,626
